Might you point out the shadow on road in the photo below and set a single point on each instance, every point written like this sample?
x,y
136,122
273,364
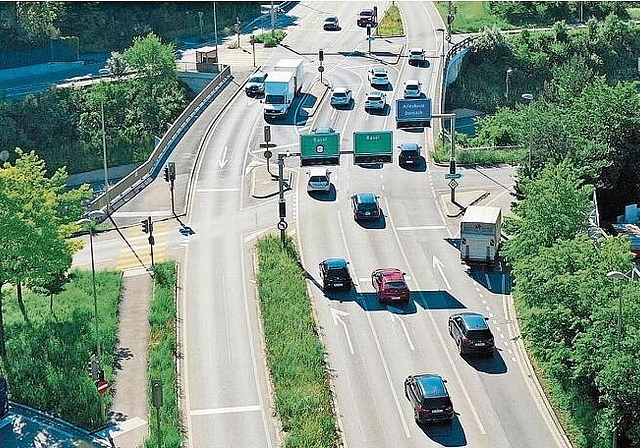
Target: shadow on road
x,y
379,223
323,196
493,364
446,434
436,300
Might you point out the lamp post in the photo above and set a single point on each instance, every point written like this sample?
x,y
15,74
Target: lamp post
x,y
104,153
529,98
92,217
442,30
200,14
631,275
215,28
506,91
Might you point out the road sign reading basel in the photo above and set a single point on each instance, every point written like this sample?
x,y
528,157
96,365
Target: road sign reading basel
x,y
372,147
413,113
320,149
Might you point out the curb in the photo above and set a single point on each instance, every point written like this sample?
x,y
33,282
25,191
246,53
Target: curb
x,y
464,208
269,195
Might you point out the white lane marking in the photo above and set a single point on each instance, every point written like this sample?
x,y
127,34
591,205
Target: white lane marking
x,y
232,410
222,161
409,228
404,329
439,264
337,317
215,190
435,326
497,196
375,337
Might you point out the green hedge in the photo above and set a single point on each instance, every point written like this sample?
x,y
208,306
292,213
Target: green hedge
x,y
295,354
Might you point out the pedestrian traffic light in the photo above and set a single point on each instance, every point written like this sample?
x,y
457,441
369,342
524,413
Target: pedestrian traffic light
x,y
93,368
166,174
172,171
282,206
146,225
321,55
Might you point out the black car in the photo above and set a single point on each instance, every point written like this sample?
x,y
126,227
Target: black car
x,y
335,274
471,333
409,154
429,397
331,23
365,206
255,84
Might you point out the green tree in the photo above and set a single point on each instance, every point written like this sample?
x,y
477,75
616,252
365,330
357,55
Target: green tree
x,y
151,59
37,213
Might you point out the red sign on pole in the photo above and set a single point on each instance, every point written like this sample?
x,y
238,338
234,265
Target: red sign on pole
x,y
102,386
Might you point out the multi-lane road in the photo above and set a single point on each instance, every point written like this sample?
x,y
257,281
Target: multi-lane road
x,y
371,348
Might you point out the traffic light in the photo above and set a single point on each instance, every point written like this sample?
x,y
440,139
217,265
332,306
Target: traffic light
x,y
282,206
172,171
93,368
146,225
100,375
267,133
452,166
321,55
166,174
375,13
368,29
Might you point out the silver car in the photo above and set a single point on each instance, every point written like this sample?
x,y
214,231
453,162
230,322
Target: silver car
x,y
375,101
412,89
341,96
378,77
416,55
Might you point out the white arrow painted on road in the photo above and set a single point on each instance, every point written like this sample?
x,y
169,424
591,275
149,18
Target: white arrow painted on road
x,y
404,328
222,161
439,264
337,317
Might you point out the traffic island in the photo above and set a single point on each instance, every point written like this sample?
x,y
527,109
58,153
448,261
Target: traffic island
x,y
463,200
265,185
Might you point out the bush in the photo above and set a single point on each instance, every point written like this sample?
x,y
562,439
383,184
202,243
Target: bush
x,y
270,39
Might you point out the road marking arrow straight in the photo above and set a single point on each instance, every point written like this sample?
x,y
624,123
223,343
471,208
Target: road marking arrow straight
x,y
439,264
337,317
404,329
222,161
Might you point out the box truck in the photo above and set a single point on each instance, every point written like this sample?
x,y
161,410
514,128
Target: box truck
x,y
480,234
282,86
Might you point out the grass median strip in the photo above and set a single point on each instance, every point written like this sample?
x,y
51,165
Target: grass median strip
x,y
295,354
391,23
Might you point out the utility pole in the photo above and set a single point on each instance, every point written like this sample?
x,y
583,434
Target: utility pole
x,y
282,204
104,154
170,177
452,161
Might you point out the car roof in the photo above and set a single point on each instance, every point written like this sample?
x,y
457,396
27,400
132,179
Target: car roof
x,y
473,321
416,50
391,273
412,81
432,385
367,11
341,90
335,263
379,70
318,171
409,146
258,74
330,18
374,94
366,197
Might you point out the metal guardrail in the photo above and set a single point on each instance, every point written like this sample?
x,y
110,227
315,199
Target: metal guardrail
x,y
120,193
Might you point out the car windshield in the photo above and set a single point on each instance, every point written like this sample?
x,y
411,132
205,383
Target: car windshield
x,y
416,52
436,402
374,98
339,94
317,179
412,86
257,78
396,285
274,99
331,19
338,272
478,334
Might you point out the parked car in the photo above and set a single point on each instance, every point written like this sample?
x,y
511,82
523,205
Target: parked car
x,y
429,398
412,89
375,101
416,56
341,96
365,206
390,286
365,18
471,333
319,180
409,154
335,274
331,23
255,84
378,77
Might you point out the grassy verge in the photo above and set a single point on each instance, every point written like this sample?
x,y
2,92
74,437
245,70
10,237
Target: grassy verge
x,y
391,23
442,154
270,39
471,17
162,357
48,348
295,354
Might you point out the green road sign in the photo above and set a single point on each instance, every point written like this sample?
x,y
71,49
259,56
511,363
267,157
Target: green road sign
x,y
372,147
320,149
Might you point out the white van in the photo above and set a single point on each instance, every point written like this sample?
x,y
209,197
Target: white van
x,y
319,180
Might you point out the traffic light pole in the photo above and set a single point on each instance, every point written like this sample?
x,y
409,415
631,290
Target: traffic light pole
x,y
452,160
282,205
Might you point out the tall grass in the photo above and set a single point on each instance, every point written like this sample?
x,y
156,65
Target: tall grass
x,y
295,354
48,350
391,23
163,348
472,17
442,154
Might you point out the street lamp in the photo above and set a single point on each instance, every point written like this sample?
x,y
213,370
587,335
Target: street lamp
x,y
92,217
506,92
200,14
633,274
529,97
442,30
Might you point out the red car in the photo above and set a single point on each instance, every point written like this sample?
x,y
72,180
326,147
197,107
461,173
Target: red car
x,y
390,285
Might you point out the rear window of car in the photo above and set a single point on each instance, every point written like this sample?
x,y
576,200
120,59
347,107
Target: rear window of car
x,y
366,12
416,52
479,334
380,75
339,94
367,206
257,78
396,285
436,402
412,86
337,272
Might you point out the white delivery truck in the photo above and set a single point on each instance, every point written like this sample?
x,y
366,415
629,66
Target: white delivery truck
x,y
279,92
281,87
480,234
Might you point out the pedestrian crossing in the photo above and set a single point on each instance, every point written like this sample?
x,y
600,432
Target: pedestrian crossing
x,y
136,252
